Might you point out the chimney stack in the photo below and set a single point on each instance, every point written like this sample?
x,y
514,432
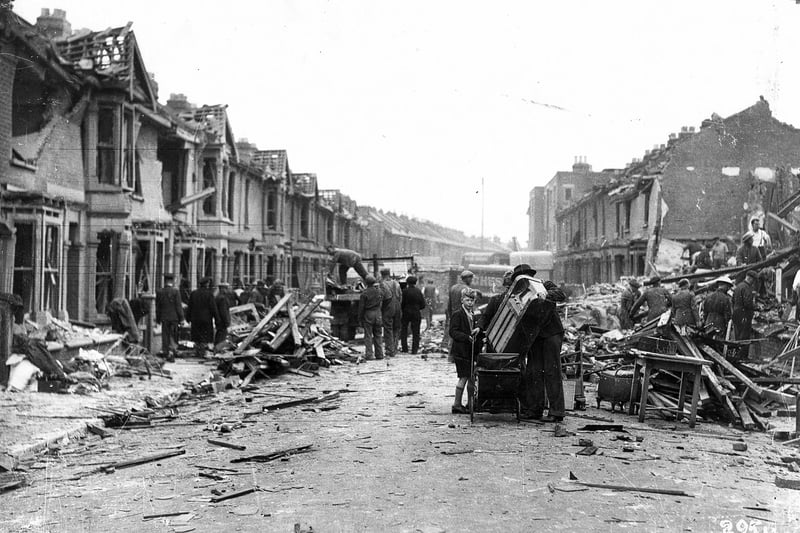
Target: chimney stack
x,y
581,166
178,103
246,149
55,25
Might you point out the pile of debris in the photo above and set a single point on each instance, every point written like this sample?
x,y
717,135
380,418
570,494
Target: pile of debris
x,y
59,356
741,392
289,338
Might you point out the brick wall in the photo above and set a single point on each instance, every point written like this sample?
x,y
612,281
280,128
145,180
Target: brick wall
x,y
7,67
702,201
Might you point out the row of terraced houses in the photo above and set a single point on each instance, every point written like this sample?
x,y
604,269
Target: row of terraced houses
x,y
103,189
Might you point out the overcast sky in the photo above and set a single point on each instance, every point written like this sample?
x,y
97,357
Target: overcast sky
x,y
408,105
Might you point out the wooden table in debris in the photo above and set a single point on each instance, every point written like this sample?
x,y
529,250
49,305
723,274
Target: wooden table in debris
x,y
647,362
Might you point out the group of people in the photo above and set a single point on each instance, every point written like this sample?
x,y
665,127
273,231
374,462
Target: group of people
x,y
207,310
755,245
719,308
542,376
387,312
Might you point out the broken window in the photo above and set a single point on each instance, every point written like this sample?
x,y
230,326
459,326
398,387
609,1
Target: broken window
x,y
173,171
646,208
329,229
272,210
185,268
131,155
106,121
142,261
104,278
51,285
23,265
210,180
627,216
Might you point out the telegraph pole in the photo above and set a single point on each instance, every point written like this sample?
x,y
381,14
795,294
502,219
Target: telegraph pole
x,y
482,204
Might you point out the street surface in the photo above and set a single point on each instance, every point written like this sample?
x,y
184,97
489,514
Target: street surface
x,y
382,462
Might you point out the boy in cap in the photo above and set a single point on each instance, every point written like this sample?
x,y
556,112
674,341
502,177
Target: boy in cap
x,y
463,331
454,302
169,313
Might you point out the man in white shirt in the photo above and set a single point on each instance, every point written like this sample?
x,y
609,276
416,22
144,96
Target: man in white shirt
x,y
761,239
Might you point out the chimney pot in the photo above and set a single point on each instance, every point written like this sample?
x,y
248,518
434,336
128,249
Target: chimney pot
x,y
691,129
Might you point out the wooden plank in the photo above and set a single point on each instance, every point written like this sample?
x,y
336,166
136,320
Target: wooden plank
x,y
652,490
142,460
261,325
285,330
232,495
724,363
787,205
224,444
794,352
298,340
744,414
782,398
783,222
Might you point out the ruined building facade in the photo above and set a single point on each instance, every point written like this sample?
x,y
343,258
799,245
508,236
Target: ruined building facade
x,y
701,185
103,189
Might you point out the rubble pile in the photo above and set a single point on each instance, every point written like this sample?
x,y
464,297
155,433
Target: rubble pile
x,y
59,356
290,337
734,388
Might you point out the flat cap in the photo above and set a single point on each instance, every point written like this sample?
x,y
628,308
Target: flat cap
x,y
467,274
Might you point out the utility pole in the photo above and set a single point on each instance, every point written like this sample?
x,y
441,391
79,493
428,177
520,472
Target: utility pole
x,y
482,204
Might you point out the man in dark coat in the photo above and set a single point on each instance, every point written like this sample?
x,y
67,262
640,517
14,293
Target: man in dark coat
x,y
369,316
391,311
657,297
747,254
412,304
628,297
543,369
704,260
223,300
169,313
717,307
464,346
744,306
684,308
258,295
202,313
431,294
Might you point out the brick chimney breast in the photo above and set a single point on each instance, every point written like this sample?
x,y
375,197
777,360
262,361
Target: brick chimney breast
x,y
55,25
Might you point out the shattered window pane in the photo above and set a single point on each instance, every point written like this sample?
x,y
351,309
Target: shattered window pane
x,y
105,145
103,272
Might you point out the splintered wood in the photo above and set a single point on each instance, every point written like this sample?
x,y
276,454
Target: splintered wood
x,y
285,339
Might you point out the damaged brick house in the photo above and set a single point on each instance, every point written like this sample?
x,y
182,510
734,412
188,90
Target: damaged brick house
x,y
700,185
103,189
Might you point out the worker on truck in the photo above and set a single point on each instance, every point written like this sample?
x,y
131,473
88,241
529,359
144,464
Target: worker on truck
x,y
345,259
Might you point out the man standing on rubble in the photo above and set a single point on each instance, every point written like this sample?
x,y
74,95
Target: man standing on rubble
x,y
454,302
744,306
629,295
761,238
391,311
275,293
684,308
747,254
202,313
719,253
717,310
169,313
657,298
369,316
258,295
345,259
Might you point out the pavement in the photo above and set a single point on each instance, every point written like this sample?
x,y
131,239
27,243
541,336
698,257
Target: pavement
x,y
32,421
